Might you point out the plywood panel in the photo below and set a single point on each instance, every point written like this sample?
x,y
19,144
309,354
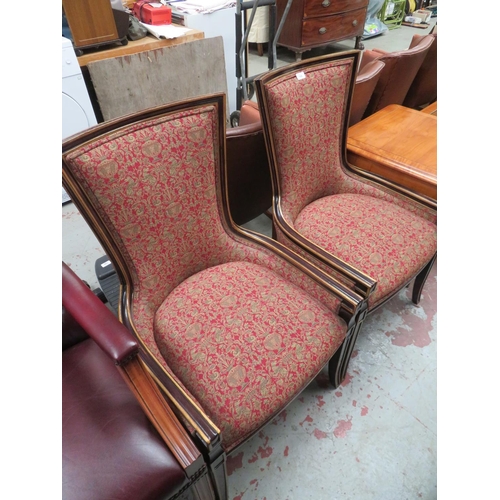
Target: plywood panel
x,y
135,82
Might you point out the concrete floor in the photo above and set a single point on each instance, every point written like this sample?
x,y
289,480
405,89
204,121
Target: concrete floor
x,y
372,438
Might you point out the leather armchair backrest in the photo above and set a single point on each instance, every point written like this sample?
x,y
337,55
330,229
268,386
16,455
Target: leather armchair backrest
x,y
397,76
366,81
423,89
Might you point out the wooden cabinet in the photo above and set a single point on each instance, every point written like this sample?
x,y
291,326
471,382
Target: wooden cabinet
x,y
94,23
314,23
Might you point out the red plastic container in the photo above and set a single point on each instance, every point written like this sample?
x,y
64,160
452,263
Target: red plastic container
x,y
153,13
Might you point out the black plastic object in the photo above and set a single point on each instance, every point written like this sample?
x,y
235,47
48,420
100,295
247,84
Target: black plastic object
x,y
108,281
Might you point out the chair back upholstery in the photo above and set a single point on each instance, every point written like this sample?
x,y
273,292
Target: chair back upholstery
x,y
157,200
312,138
248,176
398,74
423,89
366,80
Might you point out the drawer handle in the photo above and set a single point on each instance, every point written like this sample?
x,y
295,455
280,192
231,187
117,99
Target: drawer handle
x,y
325,3
355,22
322,31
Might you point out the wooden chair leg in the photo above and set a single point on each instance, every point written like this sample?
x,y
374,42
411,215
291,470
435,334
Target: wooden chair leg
x,y
337,366
420,281
217,471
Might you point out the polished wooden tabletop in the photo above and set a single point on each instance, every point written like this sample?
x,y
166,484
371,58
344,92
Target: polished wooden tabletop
x,y
399,144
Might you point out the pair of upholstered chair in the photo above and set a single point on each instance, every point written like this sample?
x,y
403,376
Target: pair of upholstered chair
x,y
231,325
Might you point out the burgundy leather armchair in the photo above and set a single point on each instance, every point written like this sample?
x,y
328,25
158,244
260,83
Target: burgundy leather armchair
x,y
248,175
110,448
397,75
423,90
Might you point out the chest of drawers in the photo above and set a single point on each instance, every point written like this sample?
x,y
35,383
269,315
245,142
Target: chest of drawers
x,y
314,23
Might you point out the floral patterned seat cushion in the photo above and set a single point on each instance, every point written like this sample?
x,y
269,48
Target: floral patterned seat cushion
x,y
385,241
244,341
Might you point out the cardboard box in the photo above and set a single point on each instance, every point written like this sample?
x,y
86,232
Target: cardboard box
x,y
423,14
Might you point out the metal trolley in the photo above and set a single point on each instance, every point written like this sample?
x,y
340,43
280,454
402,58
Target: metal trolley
x,y
244,86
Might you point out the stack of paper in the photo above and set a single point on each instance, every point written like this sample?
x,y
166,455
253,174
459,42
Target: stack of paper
x,y
167,31
200,6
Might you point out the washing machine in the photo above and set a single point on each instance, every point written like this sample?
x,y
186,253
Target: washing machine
x,y
77,111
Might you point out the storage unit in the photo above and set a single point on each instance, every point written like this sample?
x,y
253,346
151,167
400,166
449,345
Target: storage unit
x,y
94,23
314,23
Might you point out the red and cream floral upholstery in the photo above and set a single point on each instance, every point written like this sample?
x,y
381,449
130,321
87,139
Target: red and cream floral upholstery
x,y
320,205
239,325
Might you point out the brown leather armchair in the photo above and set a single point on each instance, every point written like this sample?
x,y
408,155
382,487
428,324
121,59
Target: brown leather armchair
x,y
397,75
366,80
119,438
423,90
248,176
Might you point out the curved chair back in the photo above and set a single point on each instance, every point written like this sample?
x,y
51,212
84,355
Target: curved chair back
x,y
423,89
366,80
398,74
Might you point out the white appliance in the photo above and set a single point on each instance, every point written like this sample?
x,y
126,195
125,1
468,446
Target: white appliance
x,y
219,23
77,111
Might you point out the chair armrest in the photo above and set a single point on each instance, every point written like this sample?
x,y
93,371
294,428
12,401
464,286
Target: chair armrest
x,y
249,120
249,113
96,319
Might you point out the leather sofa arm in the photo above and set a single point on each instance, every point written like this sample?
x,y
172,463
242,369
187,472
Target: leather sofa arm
x,y
96,319
249,113
249,120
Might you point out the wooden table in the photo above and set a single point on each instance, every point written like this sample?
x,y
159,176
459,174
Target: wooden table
x,y
149,42
399,144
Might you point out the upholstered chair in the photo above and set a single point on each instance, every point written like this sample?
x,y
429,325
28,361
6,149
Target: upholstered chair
x,y
232,324
366,80
373,234
248,176
397,76
120,439
423,90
